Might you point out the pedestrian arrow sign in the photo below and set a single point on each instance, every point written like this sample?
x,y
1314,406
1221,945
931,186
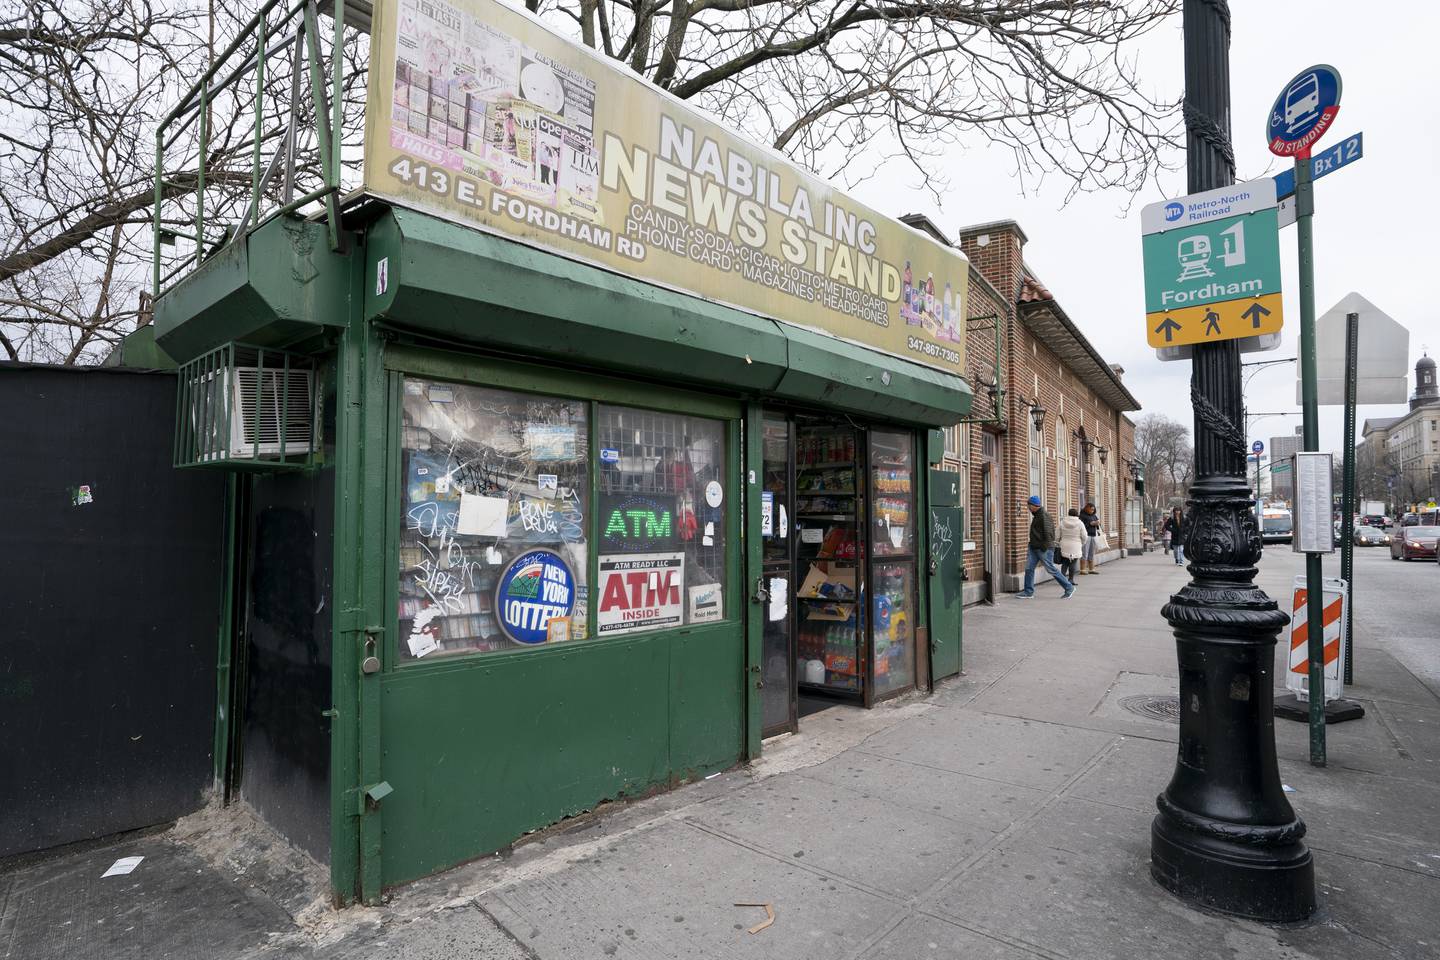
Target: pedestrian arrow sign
x,y
1212,266
1254,313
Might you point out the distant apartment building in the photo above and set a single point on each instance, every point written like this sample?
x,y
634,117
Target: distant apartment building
x,y
1408,446
1282,479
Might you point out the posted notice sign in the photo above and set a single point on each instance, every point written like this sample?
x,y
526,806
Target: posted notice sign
x,y
479,113
640,591
1212,266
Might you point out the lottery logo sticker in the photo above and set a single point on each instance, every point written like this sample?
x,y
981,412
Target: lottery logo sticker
x,y
537,587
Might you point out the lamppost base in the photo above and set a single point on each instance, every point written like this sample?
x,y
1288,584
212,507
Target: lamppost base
x,y
1274,883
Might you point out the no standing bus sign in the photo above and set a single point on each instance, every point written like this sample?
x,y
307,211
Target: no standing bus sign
x,y
1303,112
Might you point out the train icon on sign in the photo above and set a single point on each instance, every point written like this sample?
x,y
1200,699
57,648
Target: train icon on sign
x,y
1174,211
1195,258
1194,252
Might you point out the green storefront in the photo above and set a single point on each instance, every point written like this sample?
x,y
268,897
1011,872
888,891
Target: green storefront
x,y
514,533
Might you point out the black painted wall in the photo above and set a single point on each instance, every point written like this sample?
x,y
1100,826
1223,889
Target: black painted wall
x,y
285,772
109,609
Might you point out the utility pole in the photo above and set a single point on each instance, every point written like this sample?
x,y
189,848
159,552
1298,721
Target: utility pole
x,y
1347,487
1226,838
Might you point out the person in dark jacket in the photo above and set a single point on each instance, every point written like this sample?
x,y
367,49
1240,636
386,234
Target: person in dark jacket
x,y
1091,519
1174,526
1042,542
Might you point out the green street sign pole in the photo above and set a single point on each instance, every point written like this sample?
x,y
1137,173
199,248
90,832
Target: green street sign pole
x,y
1314,582
1347,503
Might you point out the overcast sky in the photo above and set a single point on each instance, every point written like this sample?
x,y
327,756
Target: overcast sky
x,y
1374,233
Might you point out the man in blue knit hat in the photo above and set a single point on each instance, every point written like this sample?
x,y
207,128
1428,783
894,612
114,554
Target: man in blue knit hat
x,y
1042,541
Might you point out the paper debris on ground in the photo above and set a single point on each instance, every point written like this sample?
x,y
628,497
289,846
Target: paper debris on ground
x,y
769,916
121,867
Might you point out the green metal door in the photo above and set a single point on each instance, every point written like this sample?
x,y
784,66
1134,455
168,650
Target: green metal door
x,y
946,564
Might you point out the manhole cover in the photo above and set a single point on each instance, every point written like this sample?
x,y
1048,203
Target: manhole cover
x,y
1156,708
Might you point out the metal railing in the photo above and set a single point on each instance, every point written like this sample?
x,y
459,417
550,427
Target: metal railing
x,y
280,27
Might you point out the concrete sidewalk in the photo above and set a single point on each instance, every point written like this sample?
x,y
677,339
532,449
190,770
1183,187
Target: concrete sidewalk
x,y
1006,816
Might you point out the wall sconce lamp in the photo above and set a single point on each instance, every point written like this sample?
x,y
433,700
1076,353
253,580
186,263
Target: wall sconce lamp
x,y
1037,415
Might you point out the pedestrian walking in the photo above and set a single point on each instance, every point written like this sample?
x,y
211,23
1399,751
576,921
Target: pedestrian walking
x,y
1042,541
1165,534
1091,520
1072,543
1174,530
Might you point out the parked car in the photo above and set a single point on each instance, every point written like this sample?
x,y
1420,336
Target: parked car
x,y
1411,543
1370,536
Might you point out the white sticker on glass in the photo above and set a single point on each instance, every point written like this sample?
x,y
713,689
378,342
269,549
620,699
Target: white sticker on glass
x,y
779,598
482,516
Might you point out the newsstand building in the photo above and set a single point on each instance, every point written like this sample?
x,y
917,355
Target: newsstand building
x,y
568,451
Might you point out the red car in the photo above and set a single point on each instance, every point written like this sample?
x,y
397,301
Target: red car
x,y
1410,543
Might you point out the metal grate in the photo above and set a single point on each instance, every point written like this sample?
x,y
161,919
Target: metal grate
x,y
246,407
1166,709
675,457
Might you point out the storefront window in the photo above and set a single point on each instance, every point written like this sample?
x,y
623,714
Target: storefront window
x,y
891,480
494,511
891,624
662,506
893,614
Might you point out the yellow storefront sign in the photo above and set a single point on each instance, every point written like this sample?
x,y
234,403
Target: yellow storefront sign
x,y
479,113
1227,320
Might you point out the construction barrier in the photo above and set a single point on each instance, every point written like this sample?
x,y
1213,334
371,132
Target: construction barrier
x,y
1297,677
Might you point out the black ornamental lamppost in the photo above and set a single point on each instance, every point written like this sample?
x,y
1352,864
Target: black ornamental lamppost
x,y
1226,837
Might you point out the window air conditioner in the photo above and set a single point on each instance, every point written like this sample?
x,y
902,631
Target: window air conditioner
x,y
254,403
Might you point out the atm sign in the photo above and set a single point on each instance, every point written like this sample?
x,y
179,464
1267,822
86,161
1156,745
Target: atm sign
x,y
637,523
640,592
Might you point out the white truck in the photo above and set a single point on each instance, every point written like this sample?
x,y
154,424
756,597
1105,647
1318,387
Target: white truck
x,y
1371,508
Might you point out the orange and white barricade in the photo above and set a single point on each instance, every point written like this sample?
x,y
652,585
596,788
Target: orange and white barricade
x,y
1297,677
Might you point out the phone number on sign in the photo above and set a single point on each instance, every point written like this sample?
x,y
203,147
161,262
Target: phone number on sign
x,y
932,349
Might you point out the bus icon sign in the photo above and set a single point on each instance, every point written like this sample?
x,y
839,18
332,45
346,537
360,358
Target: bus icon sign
x,y
1303,112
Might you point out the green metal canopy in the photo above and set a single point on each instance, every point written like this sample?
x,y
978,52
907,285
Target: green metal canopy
x,y
458,283
283,284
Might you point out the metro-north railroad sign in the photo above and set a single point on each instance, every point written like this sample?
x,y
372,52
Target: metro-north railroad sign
x,y
1212,266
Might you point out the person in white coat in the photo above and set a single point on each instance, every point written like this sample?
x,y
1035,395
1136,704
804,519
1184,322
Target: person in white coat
x,y
1072,535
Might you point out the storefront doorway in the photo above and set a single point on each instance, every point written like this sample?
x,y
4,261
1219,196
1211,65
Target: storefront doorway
x,y
839,546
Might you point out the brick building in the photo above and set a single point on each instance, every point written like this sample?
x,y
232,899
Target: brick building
x,y
1047,371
